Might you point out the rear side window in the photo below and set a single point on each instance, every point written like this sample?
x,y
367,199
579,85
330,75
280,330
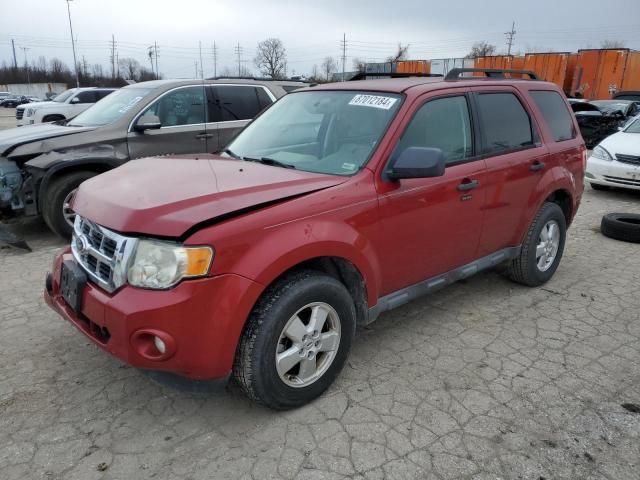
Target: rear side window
x,y
236,102
555,113
442,123
505,123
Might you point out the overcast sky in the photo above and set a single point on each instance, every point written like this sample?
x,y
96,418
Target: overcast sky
x,y
310,30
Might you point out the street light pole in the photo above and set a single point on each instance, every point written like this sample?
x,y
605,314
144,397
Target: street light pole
x,y
73,46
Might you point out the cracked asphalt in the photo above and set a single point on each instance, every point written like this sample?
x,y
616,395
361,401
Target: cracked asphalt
x,y
483,380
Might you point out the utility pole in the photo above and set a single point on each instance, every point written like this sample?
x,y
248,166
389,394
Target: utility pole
x,y
238,50
195,62
510,36
15,59
26,64
113,57
201,64
73,45
215,59
150,55
344,53
155,51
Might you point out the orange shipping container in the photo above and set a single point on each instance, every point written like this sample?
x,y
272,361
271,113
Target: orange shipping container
x,y
413,66
501,62
600,73
551,67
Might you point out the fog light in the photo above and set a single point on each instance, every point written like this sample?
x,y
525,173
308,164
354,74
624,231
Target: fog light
x,y
157,341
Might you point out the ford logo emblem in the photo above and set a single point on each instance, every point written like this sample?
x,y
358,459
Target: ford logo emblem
x,y
81,244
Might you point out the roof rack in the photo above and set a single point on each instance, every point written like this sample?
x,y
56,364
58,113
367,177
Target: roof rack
x,y
364,75
454,73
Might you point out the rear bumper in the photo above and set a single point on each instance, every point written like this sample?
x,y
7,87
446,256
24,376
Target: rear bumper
x,y
613,173
200,321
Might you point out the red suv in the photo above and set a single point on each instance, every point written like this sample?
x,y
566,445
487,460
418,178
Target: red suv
x,y
336,204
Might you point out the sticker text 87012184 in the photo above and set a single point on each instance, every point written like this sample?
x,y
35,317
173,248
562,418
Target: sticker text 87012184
x,y
375,101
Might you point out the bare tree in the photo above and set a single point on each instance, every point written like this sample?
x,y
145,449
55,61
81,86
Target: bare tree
x,y
359,65
130,67
328,67
401,53
612,44
271,58
481,49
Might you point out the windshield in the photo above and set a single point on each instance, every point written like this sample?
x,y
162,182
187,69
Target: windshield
x,y
110,108
64,95
331,132
610,106
634,126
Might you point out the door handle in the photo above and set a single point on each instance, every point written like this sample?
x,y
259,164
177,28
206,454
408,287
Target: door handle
x,y
468,185
536,166
202,136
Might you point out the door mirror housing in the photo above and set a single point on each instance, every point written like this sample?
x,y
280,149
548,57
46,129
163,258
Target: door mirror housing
x,y
147,122
418,162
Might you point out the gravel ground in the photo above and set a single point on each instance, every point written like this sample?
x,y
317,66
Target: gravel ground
x,y
7,118
483,380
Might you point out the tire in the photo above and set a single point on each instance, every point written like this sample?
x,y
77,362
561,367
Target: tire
x,y
621,226
595,186
52,204
525,269
255,367
52,118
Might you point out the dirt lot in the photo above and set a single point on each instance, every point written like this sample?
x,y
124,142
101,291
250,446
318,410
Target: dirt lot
x,y
7,118
484,380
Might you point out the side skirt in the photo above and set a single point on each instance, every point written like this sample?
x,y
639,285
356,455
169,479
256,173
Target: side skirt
x,y
407,294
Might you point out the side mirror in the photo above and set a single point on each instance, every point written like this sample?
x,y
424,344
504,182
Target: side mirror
x,y
418,162
75,100
147,122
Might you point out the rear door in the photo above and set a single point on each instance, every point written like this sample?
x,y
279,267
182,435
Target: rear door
x,y
233,107
430,226
515,158
183,114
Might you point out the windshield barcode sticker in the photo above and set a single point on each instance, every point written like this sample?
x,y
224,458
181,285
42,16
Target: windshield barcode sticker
x,y
375,101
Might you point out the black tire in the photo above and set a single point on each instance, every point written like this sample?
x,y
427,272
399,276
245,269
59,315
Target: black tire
x,y
595,186
621,226
524,268
255,363
51,205
52,118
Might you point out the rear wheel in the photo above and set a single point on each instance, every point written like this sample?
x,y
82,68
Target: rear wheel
x,y
56,206
542,247
296,340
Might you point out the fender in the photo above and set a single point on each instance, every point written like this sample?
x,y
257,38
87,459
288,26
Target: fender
x,y
557,178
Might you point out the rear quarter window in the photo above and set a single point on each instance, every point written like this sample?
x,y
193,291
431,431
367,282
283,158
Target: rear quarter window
x,y
555,114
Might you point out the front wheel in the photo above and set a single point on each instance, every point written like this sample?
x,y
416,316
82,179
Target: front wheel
x,y
56,206
296,340
542,248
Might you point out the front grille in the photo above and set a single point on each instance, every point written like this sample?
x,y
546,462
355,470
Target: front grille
x,y
632,159
99,250
623,181
19,113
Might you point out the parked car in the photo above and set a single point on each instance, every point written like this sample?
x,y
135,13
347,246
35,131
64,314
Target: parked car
x,y
13,101
627,95
4,95
615,162
336,204
47,162
64,106
595,124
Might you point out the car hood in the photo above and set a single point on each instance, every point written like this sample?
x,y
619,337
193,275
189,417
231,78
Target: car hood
x,y
167,196
13,137
622,142
40,104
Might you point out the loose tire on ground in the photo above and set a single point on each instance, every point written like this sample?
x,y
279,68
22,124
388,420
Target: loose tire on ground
x,y
525,269
621,226
52,203
256,367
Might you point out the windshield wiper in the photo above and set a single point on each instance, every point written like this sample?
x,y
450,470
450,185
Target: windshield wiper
x,y
231,153
269,161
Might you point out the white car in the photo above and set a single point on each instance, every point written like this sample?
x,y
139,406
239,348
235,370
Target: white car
x,y
615,162
64,106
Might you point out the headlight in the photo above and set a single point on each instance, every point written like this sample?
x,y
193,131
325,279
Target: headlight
x,y
161,265
601,153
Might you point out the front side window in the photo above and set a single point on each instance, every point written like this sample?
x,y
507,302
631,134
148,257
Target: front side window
x,y
555,114
236,102
332,132
183,106
442,123
116,105
64,96
505,123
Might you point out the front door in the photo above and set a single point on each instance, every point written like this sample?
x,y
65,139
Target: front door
x,y
183,115
432,225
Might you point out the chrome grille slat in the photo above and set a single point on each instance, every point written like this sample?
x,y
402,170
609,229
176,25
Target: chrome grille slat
x,y
632,159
